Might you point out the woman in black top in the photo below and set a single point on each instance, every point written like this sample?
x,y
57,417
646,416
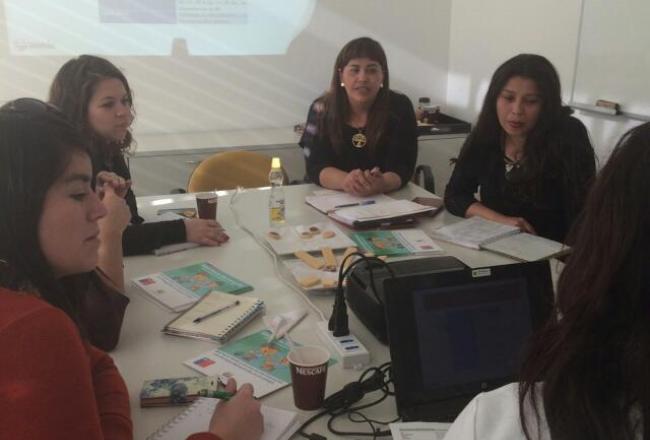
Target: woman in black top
x,y
96,96
360,136
532,162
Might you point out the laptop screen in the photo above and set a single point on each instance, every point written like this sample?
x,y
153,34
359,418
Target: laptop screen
x,y
455,334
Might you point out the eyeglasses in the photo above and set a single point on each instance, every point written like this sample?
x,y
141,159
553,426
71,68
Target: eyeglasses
x,y
34,108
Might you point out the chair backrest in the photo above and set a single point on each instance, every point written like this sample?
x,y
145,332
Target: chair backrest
x,y
231,169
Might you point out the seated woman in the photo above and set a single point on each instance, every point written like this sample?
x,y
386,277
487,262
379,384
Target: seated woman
x,y
54,384
96,96
532,161
586,374
360,136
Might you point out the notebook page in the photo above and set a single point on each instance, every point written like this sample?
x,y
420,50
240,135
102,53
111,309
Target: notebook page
x,y
219,324
279,424
330,200
394,208
473,232
527,247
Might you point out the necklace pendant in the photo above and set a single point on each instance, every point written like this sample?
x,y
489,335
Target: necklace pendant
x,y
359,140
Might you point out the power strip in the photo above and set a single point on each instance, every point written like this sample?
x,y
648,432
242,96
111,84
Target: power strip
x,y
350,351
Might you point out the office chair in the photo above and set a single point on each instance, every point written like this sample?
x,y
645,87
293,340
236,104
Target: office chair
x,y
231,169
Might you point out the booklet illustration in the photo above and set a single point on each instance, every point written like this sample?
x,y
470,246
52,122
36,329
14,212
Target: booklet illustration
x,y
179,288
396,242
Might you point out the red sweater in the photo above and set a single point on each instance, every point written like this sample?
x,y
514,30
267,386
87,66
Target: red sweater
x,y
52,384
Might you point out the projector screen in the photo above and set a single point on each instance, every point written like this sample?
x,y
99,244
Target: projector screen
x,y
154,27
198,66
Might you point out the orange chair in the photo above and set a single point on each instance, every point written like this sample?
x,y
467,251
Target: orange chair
x,y
231,169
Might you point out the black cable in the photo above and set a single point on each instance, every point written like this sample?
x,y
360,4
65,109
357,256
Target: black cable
x,y
340,403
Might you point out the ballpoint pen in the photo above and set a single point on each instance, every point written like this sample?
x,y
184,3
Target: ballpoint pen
x,y
347,205
214,312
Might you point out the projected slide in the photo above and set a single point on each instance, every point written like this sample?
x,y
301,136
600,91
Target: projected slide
x,y
154,27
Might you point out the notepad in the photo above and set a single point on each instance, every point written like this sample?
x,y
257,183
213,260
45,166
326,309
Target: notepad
x,y
222,325
279,424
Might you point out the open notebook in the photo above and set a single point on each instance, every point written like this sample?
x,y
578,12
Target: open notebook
x,y
279,424
235,312
479,233
362,212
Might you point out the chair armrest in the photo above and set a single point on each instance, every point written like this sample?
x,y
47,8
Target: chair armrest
x,y
424,174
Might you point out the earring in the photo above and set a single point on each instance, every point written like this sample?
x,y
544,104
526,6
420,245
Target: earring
x,y
381,86
342,85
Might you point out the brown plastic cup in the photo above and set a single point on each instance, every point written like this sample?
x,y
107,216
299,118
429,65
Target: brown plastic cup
x,y
206,205
308,366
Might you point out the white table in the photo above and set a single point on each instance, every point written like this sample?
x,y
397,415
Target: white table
x,y
145,353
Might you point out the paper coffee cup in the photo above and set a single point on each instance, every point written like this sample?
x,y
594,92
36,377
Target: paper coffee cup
x,y
206,205
308,366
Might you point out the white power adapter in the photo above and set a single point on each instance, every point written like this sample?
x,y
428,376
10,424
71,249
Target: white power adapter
x,y
349,349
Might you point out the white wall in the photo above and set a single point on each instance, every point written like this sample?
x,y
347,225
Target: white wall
x,y
181,94
485,34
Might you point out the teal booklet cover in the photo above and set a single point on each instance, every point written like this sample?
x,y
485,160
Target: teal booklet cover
x,y
396,242
179,288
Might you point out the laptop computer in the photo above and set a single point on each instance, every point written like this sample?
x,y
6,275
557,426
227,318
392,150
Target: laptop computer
x,y
455,334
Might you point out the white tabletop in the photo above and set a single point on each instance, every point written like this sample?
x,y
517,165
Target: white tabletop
x,y
145,353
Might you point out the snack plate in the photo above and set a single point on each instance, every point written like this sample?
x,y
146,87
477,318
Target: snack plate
x,y
309,238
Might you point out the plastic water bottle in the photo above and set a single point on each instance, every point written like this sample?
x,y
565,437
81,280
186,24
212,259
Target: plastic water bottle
x,y
276,199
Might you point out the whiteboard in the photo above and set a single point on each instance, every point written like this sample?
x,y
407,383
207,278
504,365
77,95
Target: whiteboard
x,y
613,59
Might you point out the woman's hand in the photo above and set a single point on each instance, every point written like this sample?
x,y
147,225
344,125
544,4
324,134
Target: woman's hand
x,y
118,214
519,222
353,182
119,184
238,418
205,232
364,183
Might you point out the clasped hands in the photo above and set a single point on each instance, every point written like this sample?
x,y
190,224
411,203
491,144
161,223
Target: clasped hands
x,y
364,182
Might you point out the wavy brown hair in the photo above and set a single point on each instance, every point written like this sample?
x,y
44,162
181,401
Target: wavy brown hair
x,y
336,108
71,91
594,360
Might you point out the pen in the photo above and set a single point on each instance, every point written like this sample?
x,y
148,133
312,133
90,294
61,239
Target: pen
x,y
365,202
223,395
211,314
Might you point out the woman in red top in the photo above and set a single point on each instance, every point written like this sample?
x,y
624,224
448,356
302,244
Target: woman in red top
x,y
53,383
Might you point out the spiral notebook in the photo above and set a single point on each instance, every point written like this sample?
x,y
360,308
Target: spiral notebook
x,y
232,313
279,424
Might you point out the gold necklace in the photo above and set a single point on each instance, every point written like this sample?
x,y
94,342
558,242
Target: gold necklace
x,y
359,139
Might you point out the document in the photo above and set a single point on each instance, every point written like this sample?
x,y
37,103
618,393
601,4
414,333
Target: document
x,y
419,430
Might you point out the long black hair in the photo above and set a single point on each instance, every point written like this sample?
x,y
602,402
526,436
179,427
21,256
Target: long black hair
x,y
335,106
594,359
36,146
545,150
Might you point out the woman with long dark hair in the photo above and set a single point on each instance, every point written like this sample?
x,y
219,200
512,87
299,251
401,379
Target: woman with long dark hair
x,y
360,136
532,161
54,383
96,96
586,374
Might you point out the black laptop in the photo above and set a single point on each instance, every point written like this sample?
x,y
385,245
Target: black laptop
x,y
455,334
